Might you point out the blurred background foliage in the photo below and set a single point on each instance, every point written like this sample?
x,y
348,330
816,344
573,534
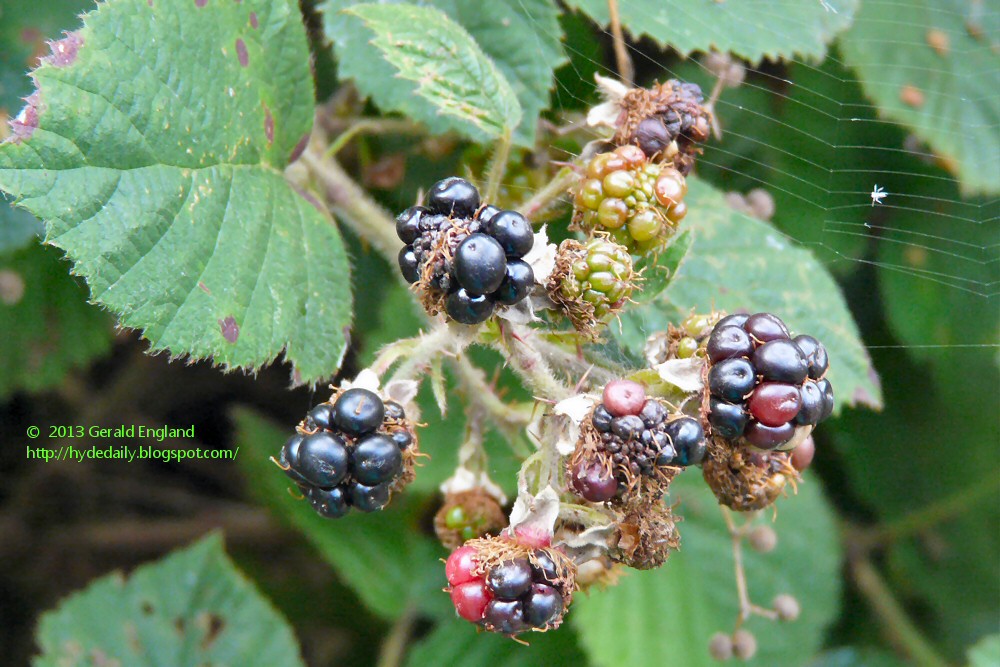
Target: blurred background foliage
x,y
893,543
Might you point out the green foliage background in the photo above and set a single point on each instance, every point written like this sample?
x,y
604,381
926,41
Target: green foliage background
x,y
164,167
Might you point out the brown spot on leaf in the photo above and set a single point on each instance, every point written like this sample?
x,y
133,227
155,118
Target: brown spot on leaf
x,y
911,96
64,51
200,3
309,198
268,125
253,20
179,625
939,41
230,330
26,122
213,626
241,52
300,147
147,608
204,288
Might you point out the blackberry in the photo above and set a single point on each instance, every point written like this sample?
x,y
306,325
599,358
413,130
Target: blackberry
x,y
623,397
507,586
408,224
454,196
480,264
352,451
688,440
486,213
591,282
408,264
593,481
323,460
627,427
602,419
763,387
516,283
639,203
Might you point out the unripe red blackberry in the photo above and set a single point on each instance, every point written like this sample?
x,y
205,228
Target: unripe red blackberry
x,y
509,587
592,281
639,203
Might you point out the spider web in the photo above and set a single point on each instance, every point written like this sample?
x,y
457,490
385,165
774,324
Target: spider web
x,y
810,134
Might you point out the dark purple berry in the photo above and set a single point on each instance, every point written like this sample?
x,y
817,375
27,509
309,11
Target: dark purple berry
x,y
688,439
512,231
734,320
768,437
358,411
408,224
321,416
815,355
781,361
765,327
454,196
593,481
329,503
652,413
543,606
376,459
480,264
544,569
652,136
289,457
727,419
510,580
666,454
467,309
516,284
628,427
827,389
504,616
369,498
728,343
394,410
408,264
731,379
403,439
486,214
323,459
602,419
811,404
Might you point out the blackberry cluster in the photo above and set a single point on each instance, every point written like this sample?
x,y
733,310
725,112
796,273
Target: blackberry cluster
x,y
639,437
466,258
513,591
638,202
763,384
591,282
667,121
468,515
353,452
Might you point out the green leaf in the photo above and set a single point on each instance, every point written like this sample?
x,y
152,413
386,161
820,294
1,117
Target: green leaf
x,y
656,276
157,165
665,617
46,323
737,262
457,642
946,96
358,545
191,608
751,30
986,653
22,30
428,66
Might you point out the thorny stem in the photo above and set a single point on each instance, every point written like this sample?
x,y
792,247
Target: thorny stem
x,y
624,63
894,618
549,193
508,418
372,126
439,340
394,648
747,608
498,167
518,345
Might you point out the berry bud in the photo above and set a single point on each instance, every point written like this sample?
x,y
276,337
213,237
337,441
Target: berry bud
x,y
720,646
763,539
787,607
591,282
744,644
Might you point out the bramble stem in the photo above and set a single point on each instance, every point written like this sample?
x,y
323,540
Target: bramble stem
x,y
509,419
517,345
394,647
498,167
372,126
442,339
894,618
549,194
624,63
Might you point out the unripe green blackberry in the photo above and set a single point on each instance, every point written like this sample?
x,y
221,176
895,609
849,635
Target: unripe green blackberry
x,y
592,281
639,203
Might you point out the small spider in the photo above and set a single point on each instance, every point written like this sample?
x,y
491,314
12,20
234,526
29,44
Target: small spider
x,y
878,194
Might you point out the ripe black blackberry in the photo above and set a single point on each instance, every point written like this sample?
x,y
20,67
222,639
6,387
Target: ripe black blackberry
x,y
509,587
352,451
464,258
763,387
